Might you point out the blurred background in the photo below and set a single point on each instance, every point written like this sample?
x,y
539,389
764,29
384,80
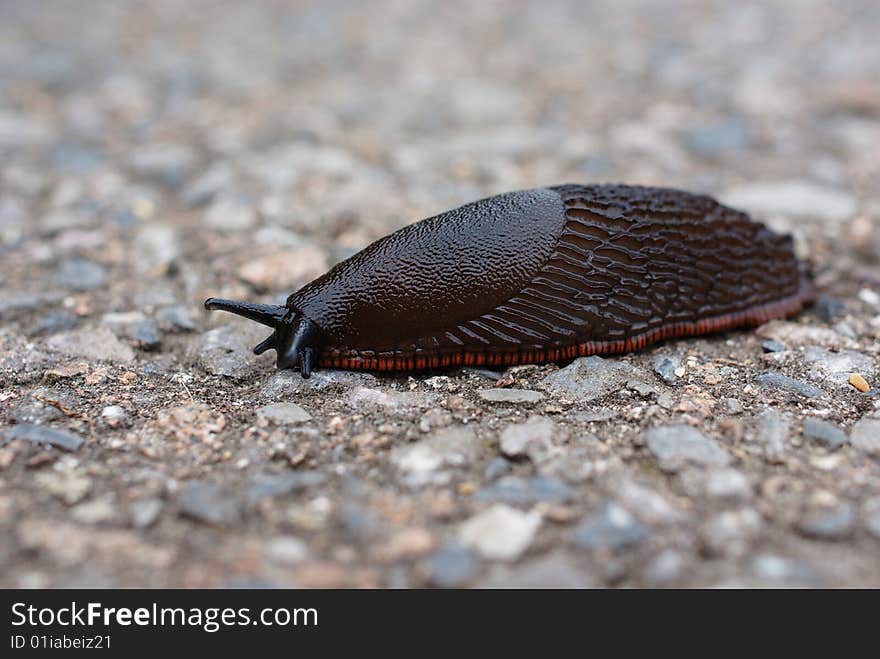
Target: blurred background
x,y
341,120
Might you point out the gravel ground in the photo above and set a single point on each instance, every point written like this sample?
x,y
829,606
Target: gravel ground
x,y
153,154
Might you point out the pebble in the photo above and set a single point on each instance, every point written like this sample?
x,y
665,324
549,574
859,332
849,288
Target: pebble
x,y
719,139
286,550
824,433
733,406
774,380
532,438
70,486
96,511
229,215
666,367
510,395
98,344
32,411
665,568
525,491
500,533
282,414
209,503
426,460
207,186
612,528
829,308
865,435
452,566
286,270
859,383
675,446
589,378
836,367
728,484
80,275
177,317
113,415
53,322
270,486
793,197
228,350
772,432
834,524
165,163
63,439
772,345
782,570
731,532
145,512
497,467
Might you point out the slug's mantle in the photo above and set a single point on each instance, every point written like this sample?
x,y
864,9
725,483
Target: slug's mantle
x,y
534,276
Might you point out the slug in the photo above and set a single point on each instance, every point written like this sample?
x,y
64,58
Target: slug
x,y
535,276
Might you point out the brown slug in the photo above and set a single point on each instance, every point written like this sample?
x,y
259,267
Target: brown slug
x,y
534,276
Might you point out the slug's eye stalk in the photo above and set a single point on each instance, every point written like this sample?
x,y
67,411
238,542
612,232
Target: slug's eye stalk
x,y
293,338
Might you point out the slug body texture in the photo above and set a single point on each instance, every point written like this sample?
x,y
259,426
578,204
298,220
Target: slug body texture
x,y
539,275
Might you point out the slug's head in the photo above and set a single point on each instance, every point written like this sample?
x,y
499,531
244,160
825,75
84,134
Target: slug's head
x,y
293,337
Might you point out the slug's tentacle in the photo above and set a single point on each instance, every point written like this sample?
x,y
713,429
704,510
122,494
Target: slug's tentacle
x,y
270,315
268,344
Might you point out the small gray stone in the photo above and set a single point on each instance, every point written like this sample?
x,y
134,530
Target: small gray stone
x,y
834,524
794,197
824,433
428,459
733,406
206,186
496,467
772,432
230,215
674,446
532,437
52,322
612,528
718,139
268,486
145,512
784,571
80,275
665,568
728,484
836,367
730,533
772,345
282,414
176,318
41,435
286,550
500,533
865,435
829,308
99,344
227,350
510,395
34,411
665,367
209,503
641,388
774,380
113,415
523,491
165,163
589,378
452,566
